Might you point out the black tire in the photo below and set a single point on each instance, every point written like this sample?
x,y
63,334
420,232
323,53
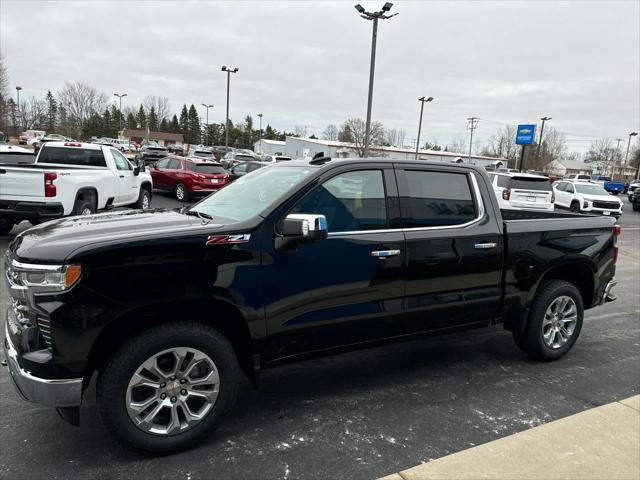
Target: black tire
x,y
143,199
181,193
115,376
531,340
6,225
84,207
636,208
616,193
575,207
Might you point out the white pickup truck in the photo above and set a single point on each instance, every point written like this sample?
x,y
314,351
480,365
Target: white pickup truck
x,y
69,178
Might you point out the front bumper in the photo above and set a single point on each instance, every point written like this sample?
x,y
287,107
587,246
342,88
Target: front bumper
x,y
50,392
31,210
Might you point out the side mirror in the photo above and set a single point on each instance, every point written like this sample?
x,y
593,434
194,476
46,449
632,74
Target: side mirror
x,y
305,227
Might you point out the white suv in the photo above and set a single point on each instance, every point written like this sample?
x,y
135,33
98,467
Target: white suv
x,y
522,191
588,197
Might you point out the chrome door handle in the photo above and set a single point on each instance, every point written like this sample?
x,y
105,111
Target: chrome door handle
x,y
385,253
485,246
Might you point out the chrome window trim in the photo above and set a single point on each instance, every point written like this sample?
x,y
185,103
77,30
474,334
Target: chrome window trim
x,y
479,217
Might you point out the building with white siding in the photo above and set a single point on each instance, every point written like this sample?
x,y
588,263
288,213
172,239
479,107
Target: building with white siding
x,y
307,147
269,147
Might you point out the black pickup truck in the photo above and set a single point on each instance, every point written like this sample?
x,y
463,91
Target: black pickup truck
x,y
295,259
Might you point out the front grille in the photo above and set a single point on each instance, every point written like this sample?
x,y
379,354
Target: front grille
x,y
609,205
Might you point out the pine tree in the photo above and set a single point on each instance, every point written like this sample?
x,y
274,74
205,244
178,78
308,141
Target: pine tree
x,y
164,125
114,127
132,123
175,126
52,111
152,118
269,133
184,123
105,124
194,125
141,118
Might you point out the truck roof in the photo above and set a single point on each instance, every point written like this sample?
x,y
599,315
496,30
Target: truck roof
x,y
331,162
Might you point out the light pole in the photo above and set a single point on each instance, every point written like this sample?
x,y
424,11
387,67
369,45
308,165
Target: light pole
x,y
120,108
226,125
473,124
544,119
375,16
626,157
422,101
19,116
207,130
260,117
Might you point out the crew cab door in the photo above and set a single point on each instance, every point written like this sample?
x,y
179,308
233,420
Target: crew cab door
x,y
128,184
349,287
454,247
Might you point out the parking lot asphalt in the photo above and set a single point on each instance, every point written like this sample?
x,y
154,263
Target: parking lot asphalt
x,y
363,414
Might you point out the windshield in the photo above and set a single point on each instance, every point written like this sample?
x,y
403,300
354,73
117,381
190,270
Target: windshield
x,y
251,194
591,189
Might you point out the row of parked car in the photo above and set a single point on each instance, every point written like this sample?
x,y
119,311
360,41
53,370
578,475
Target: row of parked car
x,y
578,193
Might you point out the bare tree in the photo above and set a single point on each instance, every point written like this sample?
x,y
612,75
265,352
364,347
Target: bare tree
x,y
4,96
402,134
160,104
300,131
503,145
600,153
357,127
330,133
391,136
33,113
459,146
81,101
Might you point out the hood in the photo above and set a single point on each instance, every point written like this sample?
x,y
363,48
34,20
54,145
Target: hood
x,y
55,241
601,198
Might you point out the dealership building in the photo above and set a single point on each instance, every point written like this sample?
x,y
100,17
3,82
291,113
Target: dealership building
x,y
296,147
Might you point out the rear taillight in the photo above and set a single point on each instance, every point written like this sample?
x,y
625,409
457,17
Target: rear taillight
x,y
506,194
617,229
71,144
49,187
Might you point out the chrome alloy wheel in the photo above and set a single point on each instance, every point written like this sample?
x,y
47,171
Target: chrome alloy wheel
x,y
172,391
86,211
559,322
145,202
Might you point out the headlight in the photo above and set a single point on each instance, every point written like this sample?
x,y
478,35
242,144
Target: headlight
x,y
45,278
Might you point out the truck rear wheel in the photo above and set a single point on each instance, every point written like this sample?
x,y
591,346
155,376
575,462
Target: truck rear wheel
x,y
554,322
167,388
84,207
6,224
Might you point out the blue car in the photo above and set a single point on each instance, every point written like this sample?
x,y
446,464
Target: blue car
x,y
609,184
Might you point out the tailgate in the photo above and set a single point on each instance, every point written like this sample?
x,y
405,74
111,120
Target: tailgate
x,y
21,183
530,196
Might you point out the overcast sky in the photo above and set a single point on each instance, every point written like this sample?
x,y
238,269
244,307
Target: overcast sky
x,y
307,63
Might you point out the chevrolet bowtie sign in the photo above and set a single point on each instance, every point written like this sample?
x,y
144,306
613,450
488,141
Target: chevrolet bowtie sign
x,y
525,134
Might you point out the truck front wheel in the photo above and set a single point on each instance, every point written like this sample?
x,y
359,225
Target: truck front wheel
x,y
6,224
554,322
167,388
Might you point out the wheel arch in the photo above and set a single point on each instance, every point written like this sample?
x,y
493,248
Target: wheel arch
x,y
579,274
219,314
85,193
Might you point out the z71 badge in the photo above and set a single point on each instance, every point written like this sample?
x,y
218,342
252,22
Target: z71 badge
x,y
227,239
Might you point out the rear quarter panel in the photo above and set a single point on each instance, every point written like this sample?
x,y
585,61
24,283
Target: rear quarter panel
x,y
537,247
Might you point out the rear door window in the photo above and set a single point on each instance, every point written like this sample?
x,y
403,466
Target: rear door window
x,y
503,181
436,199
174,164
72,156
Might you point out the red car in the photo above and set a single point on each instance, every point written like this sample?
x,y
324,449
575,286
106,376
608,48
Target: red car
x,y
187,177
